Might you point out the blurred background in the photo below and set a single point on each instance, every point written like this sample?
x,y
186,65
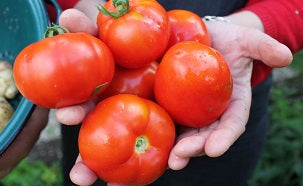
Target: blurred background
x,y
281,163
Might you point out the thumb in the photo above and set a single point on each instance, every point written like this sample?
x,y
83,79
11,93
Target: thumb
x,y
81,174
76,21
262,47
73,115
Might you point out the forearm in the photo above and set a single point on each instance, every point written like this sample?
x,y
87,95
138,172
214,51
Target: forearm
x,y
282,20
24,142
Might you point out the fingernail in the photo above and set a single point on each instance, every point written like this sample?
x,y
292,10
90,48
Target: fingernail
x,y
178,163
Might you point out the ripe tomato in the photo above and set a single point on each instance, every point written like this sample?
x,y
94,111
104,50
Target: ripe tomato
x,y
127,140
138,81
193,83
187,26
63,70
138,36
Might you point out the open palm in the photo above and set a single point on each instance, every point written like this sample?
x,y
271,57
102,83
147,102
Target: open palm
x,y
240,46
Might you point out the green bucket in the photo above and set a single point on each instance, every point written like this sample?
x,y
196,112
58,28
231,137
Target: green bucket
x,y
21,22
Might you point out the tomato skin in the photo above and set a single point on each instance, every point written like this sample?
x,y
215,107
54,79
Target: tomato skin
x,y
63,70
139,81
193,83
108,136
138,37
187,26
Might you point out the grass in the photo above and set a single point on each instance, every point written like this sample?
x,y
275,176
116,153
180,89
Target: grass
x,y
298,61
36,173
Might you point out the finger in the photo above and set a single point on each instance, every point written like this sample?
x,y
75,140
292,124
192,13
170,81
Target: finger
x,y
81,174
266,49
191,143
89,8
231,125
74,115
175,162
76,21
79,159
177,159
190,146
185,132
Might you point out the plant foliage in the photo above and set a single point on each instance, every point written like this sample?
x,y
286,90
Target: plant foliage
x,y
37,173
281,162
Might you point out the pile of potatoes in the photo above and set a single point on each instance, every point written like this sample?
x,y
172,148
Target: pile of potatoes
x,y
8,90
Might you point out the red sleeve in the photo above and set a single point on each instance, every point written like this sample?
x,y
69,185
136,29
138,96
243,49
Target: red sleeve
x,y
65,4
282,20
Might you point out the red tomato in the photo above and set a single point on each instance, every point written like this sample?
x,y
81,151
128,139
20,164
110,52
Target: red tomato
x,y
187,26
137,37
127,140
138,81
63,70
193,83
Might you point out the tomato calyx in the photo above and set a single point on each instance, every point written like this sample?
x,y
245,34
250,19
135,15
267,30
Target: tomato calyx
x,y
141,144
98,88
54,30
122,7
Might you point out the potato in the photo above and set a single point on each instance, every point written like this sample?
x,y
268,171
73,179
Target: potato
x,y
8,88
6,111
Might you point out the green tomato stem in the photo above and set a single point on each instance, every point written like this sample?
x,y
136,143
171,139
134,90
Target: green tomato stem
x,y
141,144
122,7
54,30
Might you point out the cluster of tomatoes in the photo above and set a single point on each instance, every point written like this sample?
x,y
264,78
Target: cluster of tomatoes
x,y
150,68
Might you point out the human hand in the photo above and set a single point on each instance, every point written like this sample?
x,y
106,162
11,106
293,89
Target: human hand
x,y
79,19
24,142
239,45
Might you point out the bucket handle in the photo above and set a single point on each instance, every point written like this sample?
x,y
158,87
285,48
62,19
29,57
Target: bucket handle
x,y
57,7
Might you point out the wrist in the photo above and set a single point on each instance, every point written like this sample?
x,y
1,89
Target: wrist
x,y
215,19
247,19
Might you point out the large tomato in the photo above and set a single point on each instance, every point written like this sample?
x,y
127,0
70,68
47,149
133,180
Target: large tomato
x,y
193,83
137,35
187,26
139,81
127,140
63,70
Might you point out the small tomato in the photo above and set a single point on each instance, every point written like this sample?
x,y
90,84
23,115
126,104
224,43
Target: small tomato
x,y
137,34
139,81
187,26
